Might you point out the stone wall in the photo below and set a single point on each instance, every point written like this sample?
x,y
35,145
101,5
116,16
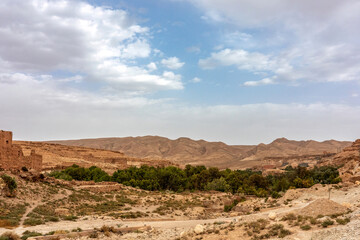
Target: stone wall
x,y
12,157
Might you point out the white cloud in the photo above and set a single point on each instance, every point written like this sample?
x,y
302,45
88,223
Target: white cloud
x,y
152,66
336,63
303,40
138,49
172,63
196,80
257,13
265,81
238,39
172,76
240,58
96,43
41,108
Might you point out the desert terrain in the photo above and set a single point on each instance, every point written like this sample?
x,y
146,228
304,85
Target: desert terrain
x,y
61,156
44,207
184,151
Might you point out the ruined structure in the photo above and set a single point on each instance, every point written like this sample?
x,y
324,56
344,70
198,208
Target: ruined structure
x,y
12,156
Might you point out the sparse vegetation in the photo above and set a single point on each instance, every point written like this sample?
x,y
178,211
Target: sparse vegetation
x,y
28,234
9,236
343,221
10,214
305,227
261,229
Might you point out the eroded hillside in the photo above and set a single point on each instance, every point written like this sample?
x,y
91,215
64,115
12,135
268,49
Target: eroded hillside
x,y
60,156
187,151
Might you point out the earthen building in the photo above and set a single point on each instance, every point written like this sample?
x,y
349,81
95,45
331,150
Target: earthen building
x,y
12,156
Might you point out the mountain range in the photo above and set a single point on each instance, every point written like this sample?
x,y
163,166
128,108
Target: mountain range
x,y
184,151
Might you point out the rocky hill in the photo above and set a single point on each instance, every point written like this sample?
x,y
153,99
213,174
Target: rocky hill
x,y
187,151
61,156
349,159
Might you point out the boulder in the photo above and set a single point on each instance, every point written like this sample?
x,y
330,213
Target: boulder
x,y
272,216
199,229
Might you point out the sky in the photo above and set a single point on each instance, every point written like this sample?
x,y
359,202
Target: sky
x,y
236,71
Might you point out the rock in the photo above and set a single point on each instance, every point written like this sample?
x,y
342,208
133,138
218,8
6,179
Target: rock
x,y
346,204
182,234
199,229
357,183
272,215
234,214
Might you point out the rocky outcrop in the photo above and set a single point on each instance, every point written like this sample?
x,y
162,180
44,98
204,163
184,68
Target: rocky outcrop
x,y
349,159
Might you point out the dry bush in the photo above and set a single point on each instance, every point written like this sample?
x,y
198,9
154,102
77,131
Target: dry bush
x,y
5,224
10,236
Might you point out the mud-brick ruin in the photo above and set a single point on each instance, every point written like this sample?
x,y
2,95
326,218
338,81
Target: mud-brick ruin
x,y
12,156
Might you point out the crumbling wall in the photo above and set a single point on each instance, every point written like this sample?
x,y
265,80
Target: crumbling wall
x,y
12,157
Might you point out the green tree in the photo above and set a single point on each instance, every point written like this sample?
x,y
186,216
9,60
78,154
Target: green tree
x,y
10,183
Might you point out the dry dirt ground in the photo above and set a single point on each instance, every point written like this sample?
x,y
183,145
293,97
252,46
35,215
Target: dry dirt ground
x,y
300,214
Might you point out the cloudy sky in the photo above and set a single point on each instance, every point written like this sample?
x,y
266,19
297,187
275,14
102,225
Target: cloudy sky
x,y
237,71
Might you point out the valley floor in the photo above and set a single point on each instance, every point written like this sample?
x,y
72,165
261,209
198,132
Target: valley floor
x,y
196,215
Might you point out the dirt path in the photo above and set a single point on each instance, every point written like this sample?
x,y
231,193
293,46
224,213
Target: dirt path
x,y
28,210
37,203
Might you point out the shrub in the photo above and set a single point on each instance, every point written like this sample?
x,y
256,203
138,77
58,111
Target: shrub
x,y
305,227
33,221
28,234
289,217
313,221
278,230
343,221
10,183
77,230
70,218
228,208
283,233
327,223
9,236
94,234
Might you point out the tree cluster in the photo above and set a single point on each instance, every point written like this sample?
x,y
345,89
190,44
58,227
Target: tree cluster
x,y
201,178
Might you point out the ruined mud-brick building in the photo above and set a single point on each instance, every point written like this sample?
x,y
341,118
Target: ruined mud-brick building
x,y
12,156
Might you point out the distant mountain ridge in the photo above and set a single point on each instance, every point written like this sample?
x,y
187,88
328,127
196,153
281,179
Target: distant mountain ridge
x,y
187,151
